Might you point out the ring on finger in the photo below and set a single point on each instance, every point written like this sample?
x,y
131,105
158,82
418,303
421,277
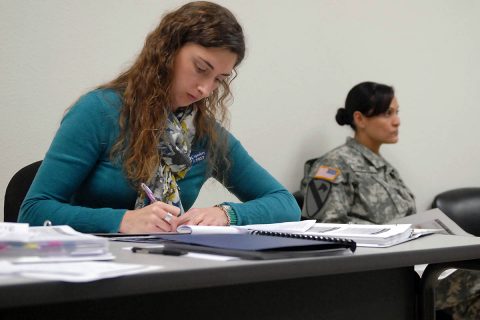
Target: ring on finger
x,y
168,217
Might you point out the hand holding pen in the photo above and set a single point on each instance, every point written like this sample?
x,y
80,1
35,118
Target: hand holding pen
x,y
156,217
168,217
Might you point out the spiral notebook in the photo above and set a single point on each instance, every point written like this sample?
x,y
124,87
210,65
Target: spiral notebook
x,y
254,245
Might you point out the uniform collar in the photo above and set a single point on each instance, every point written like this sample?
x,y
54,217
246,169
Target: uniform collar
x,y
376,160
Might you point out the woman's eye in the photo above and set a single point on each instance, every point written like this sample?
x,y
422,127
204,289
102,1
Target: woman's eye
x,y
200,69
388,113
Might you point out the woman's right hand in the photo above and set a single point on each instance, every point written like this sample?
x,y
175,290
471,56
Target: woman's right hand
x,y
150,219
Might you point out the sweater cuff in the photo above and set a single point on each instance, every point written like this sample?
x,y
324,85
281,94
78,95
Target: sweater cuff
x,y
232,215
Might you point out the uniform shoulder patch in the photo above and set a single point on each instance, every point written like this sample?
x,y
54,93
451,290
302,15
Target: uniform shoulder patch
x,y
327,173
316,196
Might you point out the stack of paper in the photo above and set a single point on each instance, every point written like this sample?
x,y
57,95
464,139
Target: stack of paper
x,y
370,235
19,242
290,227
364,235
383,235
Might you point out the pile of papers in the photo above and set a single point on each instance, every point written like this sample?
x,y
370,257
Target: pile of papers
x,y
21,243
58,253
384,235
290,227
380,236
364,235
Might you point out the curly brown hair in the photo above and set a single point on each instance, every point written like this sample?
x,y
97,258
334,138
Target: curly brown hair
x,y
145,88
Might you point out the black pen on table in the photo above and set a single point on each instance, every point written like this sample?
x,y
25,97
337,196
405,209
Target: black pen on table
x,y
160,250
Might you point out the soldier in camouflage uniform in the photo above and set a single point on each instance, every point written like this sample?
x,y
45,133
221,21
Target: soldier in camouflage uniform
x,y
353,182
364,188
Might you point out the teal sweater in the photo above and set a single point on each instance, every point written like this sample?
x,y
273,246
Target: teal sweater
x,y
78,185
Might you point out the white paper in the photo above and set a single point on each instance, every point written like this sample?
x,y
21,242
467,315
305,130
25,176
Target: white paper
x,y
73,271
36,234
365,235
433,219
13,227
36,259
290,227
214,257
208,229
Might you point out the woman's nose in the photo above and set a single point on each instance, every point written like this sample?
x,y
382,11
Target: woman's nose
x,y
206,87
396,120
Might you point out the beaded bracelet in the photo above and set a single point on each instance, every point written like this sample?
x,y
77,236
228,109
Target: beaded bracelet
x,y
225,210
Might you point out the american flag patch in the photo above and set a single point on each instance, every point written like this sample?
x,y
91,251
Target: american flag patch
x,y
327,173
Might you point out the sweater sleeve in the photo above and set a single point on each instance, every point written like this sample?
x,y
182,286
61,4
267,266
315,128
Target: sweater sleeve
x,y
74,154
264,199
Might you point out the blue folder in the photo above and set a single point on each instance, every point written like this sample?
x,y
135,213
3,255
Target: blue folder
x,y
260,245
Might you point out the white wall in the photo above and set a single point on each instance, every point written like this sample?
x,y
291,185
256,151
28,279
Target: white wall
x,y
303,56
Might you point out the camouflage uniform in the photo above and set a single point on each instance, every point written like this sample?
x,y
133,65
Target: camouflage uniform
x,y
366,190
459,295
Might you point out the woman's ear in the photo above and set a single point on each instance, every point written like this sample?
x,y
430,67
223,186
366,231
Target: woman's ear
x,y
359,119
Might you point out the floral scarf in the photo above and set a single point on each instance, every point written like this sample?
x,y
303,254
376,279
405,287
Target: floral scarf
x,y
175,148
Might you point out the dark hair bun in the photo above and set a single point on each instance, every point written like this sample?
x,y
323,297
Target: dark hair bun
x,y
343,117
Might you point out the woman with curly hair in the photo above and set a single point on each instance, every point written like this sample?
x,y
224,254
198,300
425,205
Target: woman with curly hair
x,y
132,155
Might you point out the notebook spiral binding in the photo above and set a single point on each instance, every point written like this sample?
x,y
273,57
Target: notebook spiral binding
x,y
350,242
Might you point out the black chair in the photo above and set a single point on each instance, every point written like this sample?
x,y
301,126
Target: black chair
x,y
299,195
17,189
462,206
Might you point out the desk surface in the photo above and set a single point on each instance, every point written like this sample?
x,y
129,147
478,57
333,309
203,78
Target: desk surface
x,y
184,273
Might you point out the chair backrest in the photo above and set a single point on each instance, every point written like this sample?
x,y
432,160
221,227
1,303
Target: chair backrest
x,y
308,166
462,206
17,189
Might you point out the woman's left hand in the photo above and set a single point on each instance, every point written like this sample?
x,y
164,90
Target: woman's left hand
x,y
212,216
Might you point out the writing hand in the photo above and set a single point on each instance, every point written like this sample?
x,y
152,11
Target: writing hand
x,y
150,219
